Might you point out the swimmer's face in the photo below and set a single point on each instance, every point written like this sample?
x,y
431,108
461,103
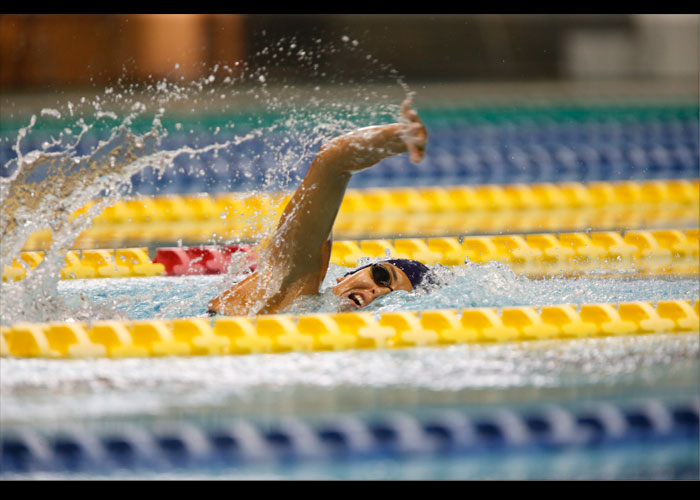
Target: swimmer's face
x,y
362,287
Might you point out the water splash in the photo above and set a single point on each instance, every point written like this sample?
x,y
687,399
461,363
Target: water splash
x,y
476,285
267,127
495,284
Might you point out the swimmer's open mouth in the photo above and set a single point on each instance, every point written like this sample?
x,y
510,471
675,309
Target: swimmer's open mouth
x,y
357,299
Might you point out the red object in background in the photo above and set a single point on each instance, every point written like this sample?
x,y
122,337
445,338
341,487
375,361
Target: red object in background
x,y
205,260
179,261
175,260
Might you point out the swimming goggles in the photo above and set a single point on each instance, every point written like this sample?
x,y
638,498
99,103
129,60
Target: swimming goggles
x,y
381,276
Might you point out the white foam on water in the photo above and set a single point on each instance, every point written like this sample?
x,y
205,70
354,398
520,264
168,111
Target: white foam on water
x,y
311,383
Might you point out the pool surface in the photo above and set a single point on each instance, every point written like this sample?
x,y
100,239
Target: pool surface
x,y
592,408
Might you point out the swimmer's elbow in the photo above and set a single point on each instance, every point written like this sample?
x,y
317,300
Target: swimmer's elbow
x,y
214,307
211,311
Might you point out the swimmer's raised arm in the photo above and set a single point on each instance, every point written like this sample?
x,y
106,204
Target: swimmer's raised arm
x,y
308,219
297,255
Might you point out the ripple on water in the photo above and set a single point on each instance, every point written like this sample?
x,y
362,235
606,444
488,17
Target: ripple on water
x,y
318,382
489,285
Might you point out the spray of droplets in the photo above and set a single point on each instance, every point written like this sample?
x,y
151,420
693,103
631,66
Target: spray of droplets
x,y
264,119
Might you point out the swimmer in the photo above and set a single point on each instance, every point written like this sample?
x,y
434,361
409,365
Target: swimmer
x,y
294,260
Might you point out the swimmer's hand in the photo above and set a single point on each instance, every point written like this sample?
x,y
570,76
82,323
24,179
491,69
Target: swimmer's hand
x,y
415,136
367,146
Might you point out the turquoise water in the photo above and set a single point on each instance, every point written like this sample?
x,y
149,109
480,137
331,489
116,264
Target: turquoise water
x,y
316,384
489,285
104,394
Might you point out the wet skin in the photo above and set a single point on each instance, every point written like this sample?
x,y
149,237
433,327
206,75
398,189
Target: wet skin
x,y
294,260
359,289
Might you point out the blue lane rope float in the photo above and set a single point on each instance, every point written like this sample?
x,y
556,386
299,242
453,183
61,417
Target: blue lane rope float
x,y
395,434
663,144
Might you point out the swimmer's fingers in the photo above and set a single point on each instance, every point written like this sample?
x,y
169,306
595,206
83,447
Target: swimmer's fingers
x,y
406,108
408,114
415,135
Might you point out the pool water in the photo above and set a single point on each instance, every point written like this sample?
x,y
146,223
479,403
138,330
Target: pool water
x,y
476,285
269,386
99,395
104,395
472,147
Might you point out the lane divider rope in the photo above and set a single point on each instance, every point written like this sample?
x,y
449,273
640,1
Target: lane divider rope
x,y
413,199
667,251
248,228
432,211
281,333
386,435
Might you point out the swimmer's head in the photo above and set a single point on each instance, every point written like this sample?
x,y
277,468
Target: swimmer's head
x,y
367,283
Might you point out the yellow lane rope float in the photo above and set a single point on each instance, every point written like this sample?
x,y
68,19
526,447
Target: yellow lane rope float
x,y
666,251
98,263
386,212
341,331
661,251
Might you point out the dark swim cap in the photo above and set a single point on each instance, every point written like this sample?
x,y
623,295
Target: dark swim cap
x,y
414,270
